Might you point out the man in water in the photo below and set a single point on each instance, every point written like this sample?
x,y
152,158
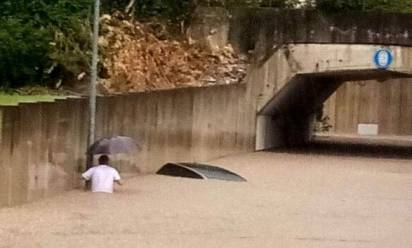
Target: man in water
x,y
102,176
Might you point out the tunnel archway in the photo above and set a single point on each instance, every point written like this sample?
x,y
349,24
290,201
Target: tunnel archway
x,y
287,119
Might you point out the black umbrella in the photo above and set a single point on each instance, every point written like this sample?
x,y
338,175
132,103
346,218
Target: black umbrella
x,y
114,145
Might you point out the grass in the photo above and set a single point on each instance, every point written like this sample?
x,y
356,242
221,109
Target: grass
x,y
28,94
14,99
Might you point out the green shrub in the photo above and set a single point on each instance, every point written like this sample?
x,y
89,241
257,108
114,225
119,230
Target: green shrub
x,y
23,52
39,35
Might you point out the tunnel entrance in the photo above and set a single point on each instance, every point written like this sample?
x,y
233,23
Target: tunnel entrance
x,y
287,119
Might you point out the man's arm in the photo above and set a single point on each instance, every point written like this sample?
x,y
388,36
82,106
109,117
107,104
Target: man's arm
x,y
117,178
88,174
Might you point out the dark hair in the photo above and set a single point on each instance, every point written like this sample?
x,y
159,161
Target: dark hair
x,y
104,159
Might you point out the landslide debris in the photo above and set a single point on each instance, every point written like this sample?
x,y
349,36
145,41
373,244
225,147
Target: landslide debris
x,y
138,57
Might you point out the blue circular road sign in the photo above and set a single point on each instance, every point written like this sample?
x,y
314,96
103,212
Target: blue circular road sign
x,y
383,58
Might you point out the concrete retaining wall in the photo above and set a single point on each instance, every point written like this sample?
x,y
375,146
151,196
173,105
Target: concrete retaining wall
x,y
43,144
250,28
387,104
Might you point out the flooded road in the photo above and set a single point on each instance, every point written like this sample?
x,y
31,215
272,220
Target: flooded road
x,y
310,197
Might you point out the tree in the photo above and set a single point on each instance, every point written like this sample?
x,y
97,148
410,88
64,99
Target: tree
x,y
39,35
22,52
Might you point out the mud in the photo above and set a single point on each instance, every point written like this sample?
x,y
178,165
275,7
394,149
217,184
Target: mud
x,y
291,199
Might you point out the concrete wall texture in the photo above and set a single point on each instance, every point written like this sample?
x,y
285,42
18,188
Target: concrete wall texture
x,y
386,104
269,26
43,144
344,62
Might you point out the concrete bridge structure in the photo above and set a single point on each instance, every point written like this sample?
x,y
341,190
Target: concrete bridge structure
x,y
305,76
303,57
300,58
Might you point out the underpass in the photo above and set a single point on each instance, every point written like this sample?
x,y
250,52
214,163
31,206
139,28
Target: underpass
x,y
300,78
288,118
302,59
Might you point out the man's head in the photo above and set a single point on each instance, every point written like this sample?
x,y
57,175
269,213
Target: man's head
x,y
104,159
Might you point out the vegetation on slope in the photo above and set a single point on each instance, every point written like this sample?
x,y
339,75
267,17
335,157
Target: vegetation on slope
x,y
48,41
41,40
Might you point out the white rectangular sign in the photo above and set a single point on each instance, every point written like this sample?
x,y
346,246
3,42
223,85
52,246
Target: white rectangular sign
x,y
368,129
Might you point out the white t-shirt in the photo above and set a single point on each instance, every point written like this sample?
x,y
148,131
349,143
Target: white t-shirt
x,y
102,177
